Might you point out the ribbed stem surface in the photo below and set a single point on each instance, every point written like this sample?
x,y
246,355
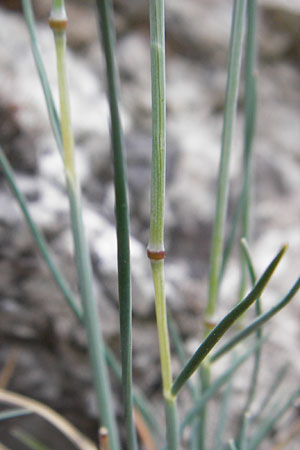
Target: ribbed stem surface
x,y
58,22
156,251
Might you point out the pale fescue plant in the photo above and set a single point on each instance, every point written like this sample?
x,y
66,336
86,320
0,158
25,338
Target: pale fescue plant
x,y
138,412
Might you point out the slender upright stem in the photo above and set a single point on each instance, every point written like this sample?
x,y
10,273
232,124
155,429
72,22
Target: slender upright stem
x,y
223,178
157,33
53,116
232,445
122,215
235,52
58,23
249,128
156,250
161,320
254,377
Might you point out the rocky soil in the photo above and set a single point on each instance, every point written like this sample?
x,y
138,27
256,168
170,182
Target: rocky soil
x,y
43,349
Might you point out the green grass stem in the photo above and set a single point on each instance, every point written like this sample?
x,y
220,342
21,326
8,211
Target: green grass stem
x,y
216,255
274,387
243,437
204,384
139,400
215,335
165,357
235,51
223,416
53,116
249,131
232,445
58,23
157,35
92,323
250,265
156,239
230,241
156,251
179,348
122,214
176,339
254,376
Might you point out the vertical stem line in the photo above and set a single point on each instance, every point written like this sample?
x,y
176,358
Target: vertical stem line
x,y
165,356
233,74
223,178
156,251
67,134
249,131
161,320
58,23
249,128
53,116
157,36
122,215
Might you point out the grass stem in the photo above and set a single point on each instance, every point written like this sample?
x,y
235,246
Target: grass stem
x,y
58,23
249,129
53,116
156,250
216,255
122,215
235,53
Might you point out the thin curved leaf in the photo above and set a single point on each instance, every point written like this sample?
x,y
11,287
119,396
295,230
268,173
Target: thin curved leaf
x,y
257,323
216,334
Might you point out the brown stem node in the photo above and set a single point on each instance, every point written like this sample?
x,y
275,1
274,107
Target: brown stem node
x,y
58,24
156,255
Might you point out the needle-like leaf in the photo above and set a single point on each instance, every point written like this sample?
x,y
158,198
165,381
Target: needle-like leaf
x,y
257,323
215,335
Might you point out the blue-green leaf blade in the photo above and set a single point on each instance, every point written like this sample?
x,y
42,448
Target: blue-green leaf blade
x,y
216,334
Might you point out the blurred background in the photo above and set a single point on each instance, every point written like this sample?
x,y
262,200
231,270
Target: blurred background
x,y
43,350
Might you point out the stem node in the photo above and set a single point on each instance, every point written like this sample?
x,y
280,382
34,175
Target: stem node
x,y
156,255
57,24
